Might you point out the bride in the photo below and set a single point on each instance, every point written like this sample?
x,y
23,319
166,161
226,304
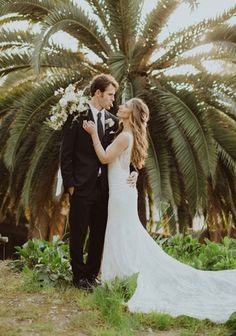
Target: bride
x,y
164,284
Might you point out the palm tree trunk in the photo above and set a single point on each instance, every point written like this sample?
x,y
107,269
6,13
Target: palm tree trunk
x,y
59,217
51,220
142,187
214,215
184,217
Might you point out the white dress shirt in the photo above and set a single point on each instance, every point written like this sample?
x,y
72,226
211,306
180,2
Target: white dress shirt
x,y
95,112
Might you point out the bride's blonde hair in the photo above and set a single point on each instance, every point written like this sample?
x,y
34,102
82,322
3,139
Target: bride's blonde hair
x,y
138,120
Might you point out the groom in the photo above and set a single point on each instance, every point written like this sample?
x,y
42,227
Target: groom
x,y
85,179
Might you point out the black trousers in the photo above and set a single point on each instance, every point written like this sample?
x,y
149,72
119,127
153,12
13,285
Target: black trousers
x,y
87,214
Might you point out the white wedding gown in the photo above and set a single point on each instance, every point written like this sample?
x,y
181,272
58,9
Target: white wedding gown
x,y
164,284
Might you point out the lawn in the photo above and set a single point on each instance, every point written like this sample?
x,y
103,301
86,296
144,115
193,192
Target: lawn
x,y
29,309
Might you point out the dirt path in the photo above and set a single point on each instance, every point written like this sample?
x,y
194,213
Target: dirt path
x,y
27,311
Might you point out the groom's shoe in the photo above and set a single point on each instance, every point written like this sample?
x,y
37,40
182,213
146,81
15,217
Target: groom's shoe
x,y
83,284
94,281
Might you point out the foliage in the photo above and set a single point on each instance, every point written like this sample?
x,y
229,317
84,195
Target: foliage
x,y
208,256
48,260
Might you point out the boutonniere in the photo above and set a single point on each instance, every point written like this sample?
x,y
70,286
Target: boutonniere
x,y
109,123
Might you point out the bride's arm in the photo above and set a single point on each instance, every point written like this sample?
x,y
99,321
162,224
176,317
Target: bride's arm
x,y
116,148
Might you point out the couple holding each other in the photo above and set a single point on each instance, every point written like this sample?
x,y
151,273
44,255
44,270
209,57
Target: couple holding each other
x,y
91,164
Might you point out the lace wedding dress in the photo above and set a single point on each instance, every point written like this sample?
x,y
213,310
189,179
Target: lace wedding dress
x,y
164,284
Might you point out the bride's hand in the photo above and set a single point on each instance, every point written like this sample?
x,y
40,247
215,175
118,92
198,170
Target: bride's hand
x,y
89,126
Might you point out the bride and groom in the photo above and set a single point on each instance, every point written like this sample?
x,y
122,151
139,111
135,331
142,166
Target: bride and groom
x,y
92,164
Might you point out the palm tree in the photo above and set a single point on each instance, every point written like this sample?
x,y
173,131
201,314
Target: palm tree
x,y
192,124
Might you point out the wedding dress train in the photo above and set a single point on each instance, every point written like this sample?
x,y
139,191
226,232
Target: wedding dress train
x,y
164,284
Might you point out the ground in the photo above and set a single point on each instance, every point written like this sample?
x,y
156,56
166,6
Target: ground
x,y
26,309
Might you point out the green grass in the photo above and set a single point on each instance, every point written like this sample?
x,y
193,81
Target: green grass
x,y
29,309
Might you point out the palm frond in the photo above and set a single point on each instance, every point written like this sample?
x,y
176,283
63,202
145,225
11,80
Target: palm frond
x,y
15,38
11,18
23,78
190,141
63,58
10,62
124,17
32,110
98,9
42,159
222,32
4,177
215,90
45,165
225,189
158,162
158,173
189,38
4,130
154,23
31,9
220,51
224,130
225,156
74,21
118,63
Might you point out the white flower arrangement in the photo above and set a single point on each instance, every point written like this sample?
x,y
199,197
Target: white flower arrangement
x,y
109,123
71,102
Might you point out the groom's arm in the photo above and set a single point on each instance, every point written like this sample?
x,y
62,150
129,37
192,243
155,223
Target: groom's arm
x,y
67,151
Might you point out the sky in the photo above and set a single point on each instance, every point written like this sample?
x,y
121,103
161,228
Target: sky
x,y
182,17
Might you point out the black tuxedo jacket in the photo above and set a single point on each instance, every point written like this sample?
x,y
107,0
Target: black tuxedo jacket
x,y
78,159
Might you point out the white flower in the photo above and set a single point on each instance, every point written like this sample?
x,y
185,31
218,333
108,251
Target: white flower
x,y
71,102
62,102
109,123
59,91
80,94
52,120
73,108
70,88
70,96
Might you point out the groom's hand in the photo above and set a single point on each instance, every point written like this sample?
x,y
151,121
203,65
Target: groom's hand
x,y
71,190
132,179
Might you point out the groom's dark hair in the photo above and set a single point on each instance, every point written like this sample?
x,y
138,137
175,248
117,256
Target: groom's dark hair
x,y
101,82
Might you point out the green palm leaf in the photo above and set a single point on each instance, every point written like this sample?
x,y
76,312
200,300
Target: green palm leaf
x,y
33,9
33,109
154,23
48,142
74,21
124,19
191,37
